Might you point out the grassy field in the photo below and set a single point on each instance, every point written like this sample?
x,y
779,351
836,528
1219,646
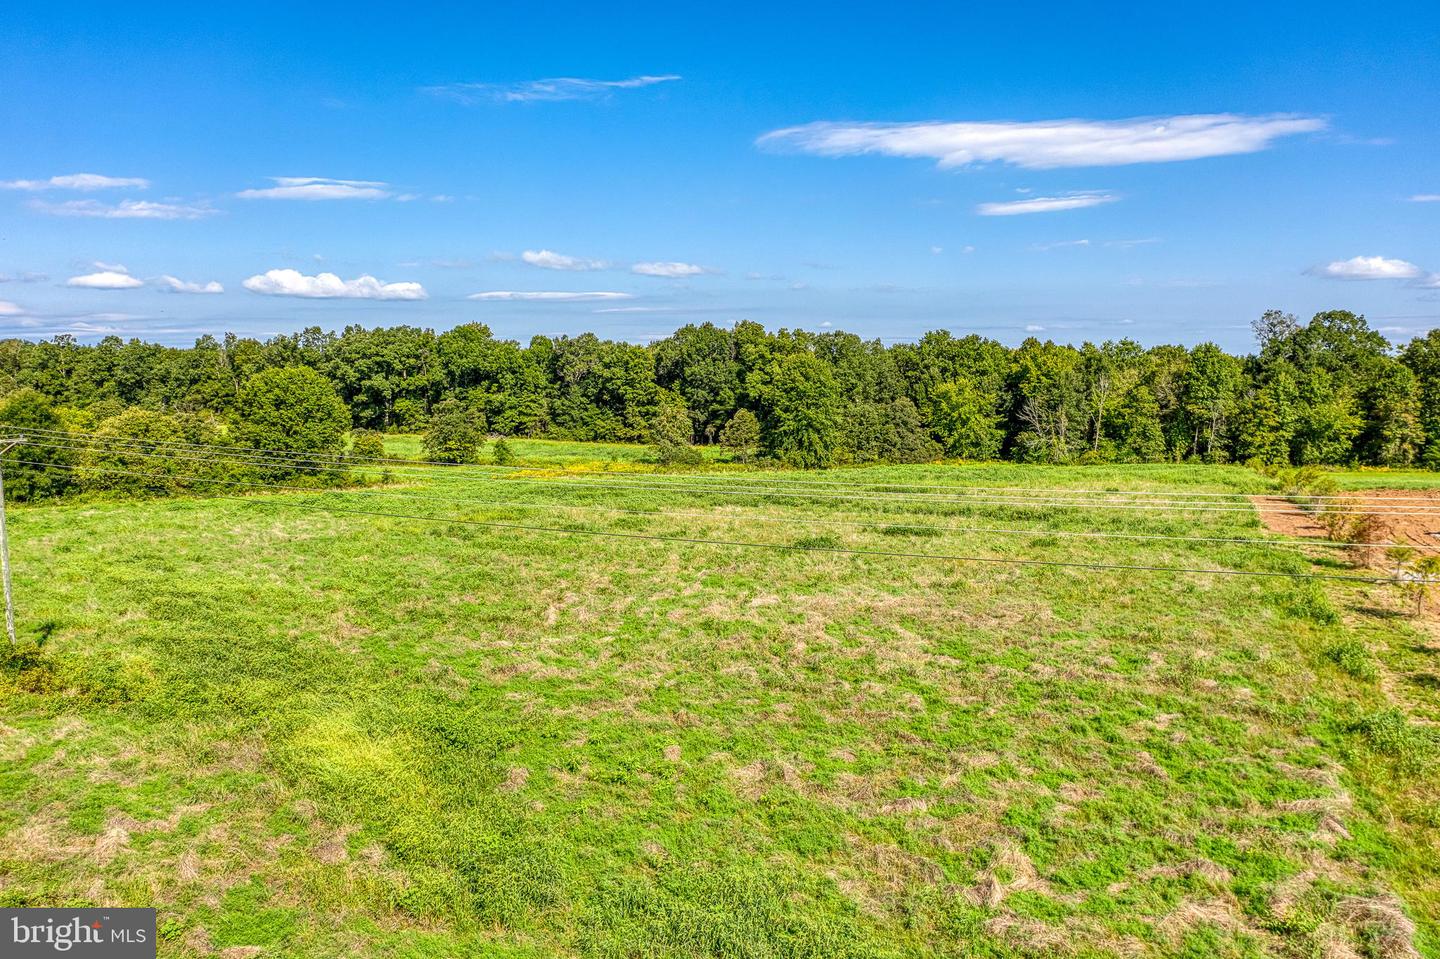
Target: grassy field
x,y
1376,478
303,732
552,452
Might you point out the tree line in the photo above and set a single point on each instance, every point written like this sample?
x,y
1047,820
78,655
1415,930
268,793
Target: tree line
x,y
1328,391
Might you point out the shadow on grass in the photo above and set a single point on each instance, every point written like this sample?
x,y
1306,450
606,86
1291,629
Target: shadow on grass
x,y
1379,612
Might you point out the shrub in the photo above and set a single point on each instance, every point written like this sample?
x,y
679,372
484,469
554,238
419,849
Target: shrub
x,y
144,463
502,452
1309,602
1353,657
456,433
367,445
1391,734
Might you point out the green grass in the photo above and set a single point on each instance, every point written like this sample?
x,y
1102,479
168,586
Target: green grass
x,y
325,734
1378,478
549,452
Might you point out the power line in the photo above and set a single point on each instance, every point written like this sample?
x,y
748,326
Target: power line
x,y
880,521
833,550
934,499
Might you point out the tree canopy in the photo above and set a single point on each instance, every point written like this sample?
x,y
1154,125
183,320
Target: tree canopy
x,y
1328,391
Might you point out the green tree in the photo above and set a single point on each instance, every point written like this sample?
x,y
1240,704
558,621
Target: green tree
x,y
670,432
1326,420
1393,434
800,406
741,435
1267,418
49,471
964,419
1422,358
291,409
1049,401
456,433
701,364
1210,391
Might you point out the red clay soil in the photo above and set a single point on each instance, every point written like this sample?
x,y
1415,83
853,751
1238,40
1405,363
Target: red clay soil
x,y
1423,530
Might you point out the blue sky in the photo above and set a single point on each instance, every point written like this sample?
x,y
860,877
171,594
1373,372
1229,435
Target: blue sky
x,y
1068,171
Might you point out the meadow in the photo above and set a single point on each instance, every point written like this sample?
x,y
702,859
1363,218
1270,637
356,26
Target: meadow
x,y
359,723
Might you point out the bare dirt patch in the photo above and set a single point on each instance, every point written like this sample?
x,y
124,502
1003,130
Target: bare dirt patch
x,y
1282,516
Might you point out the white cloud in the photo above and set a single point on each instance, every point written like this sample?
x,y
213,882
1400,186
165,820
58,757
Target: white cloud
x,y
105,280
1425,198
669,269
329,286
548,90
318,188
1048,144
175,285
1371,268
125,210
937,250
78,181
1058,245
1034,328
1045,204
111,267
550,260
553,296
11,309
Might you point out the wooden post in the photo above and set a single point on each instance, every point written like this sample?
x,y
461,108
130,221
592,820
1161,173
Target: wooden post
x,y
5,546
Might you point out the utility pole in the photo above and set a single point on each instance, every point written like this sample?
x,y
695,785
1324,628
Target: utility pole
x,y
9,444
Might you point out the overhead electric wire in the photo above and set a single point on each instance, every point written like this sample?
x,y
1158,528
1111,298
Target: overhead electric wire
x,y
878,522
798,547
380,462
221,456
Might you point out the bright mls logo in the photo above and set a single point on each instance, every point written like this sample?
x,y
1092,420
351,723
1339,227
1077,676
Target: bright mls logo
x,y
112,933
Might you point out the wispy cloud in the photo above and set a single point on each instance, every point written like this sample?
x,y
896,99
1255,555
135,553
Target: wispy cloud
x,y
78,181
1370,268
670,269
125,210
1048,144
553,296
550,260
1058,245
11,309
549,90
1045,204
175,285
27,277
325,286
318,188
112,279
1425,198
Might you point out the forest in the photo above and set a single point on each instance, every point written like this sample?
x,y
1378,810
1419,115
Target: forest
x,y
1329,391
